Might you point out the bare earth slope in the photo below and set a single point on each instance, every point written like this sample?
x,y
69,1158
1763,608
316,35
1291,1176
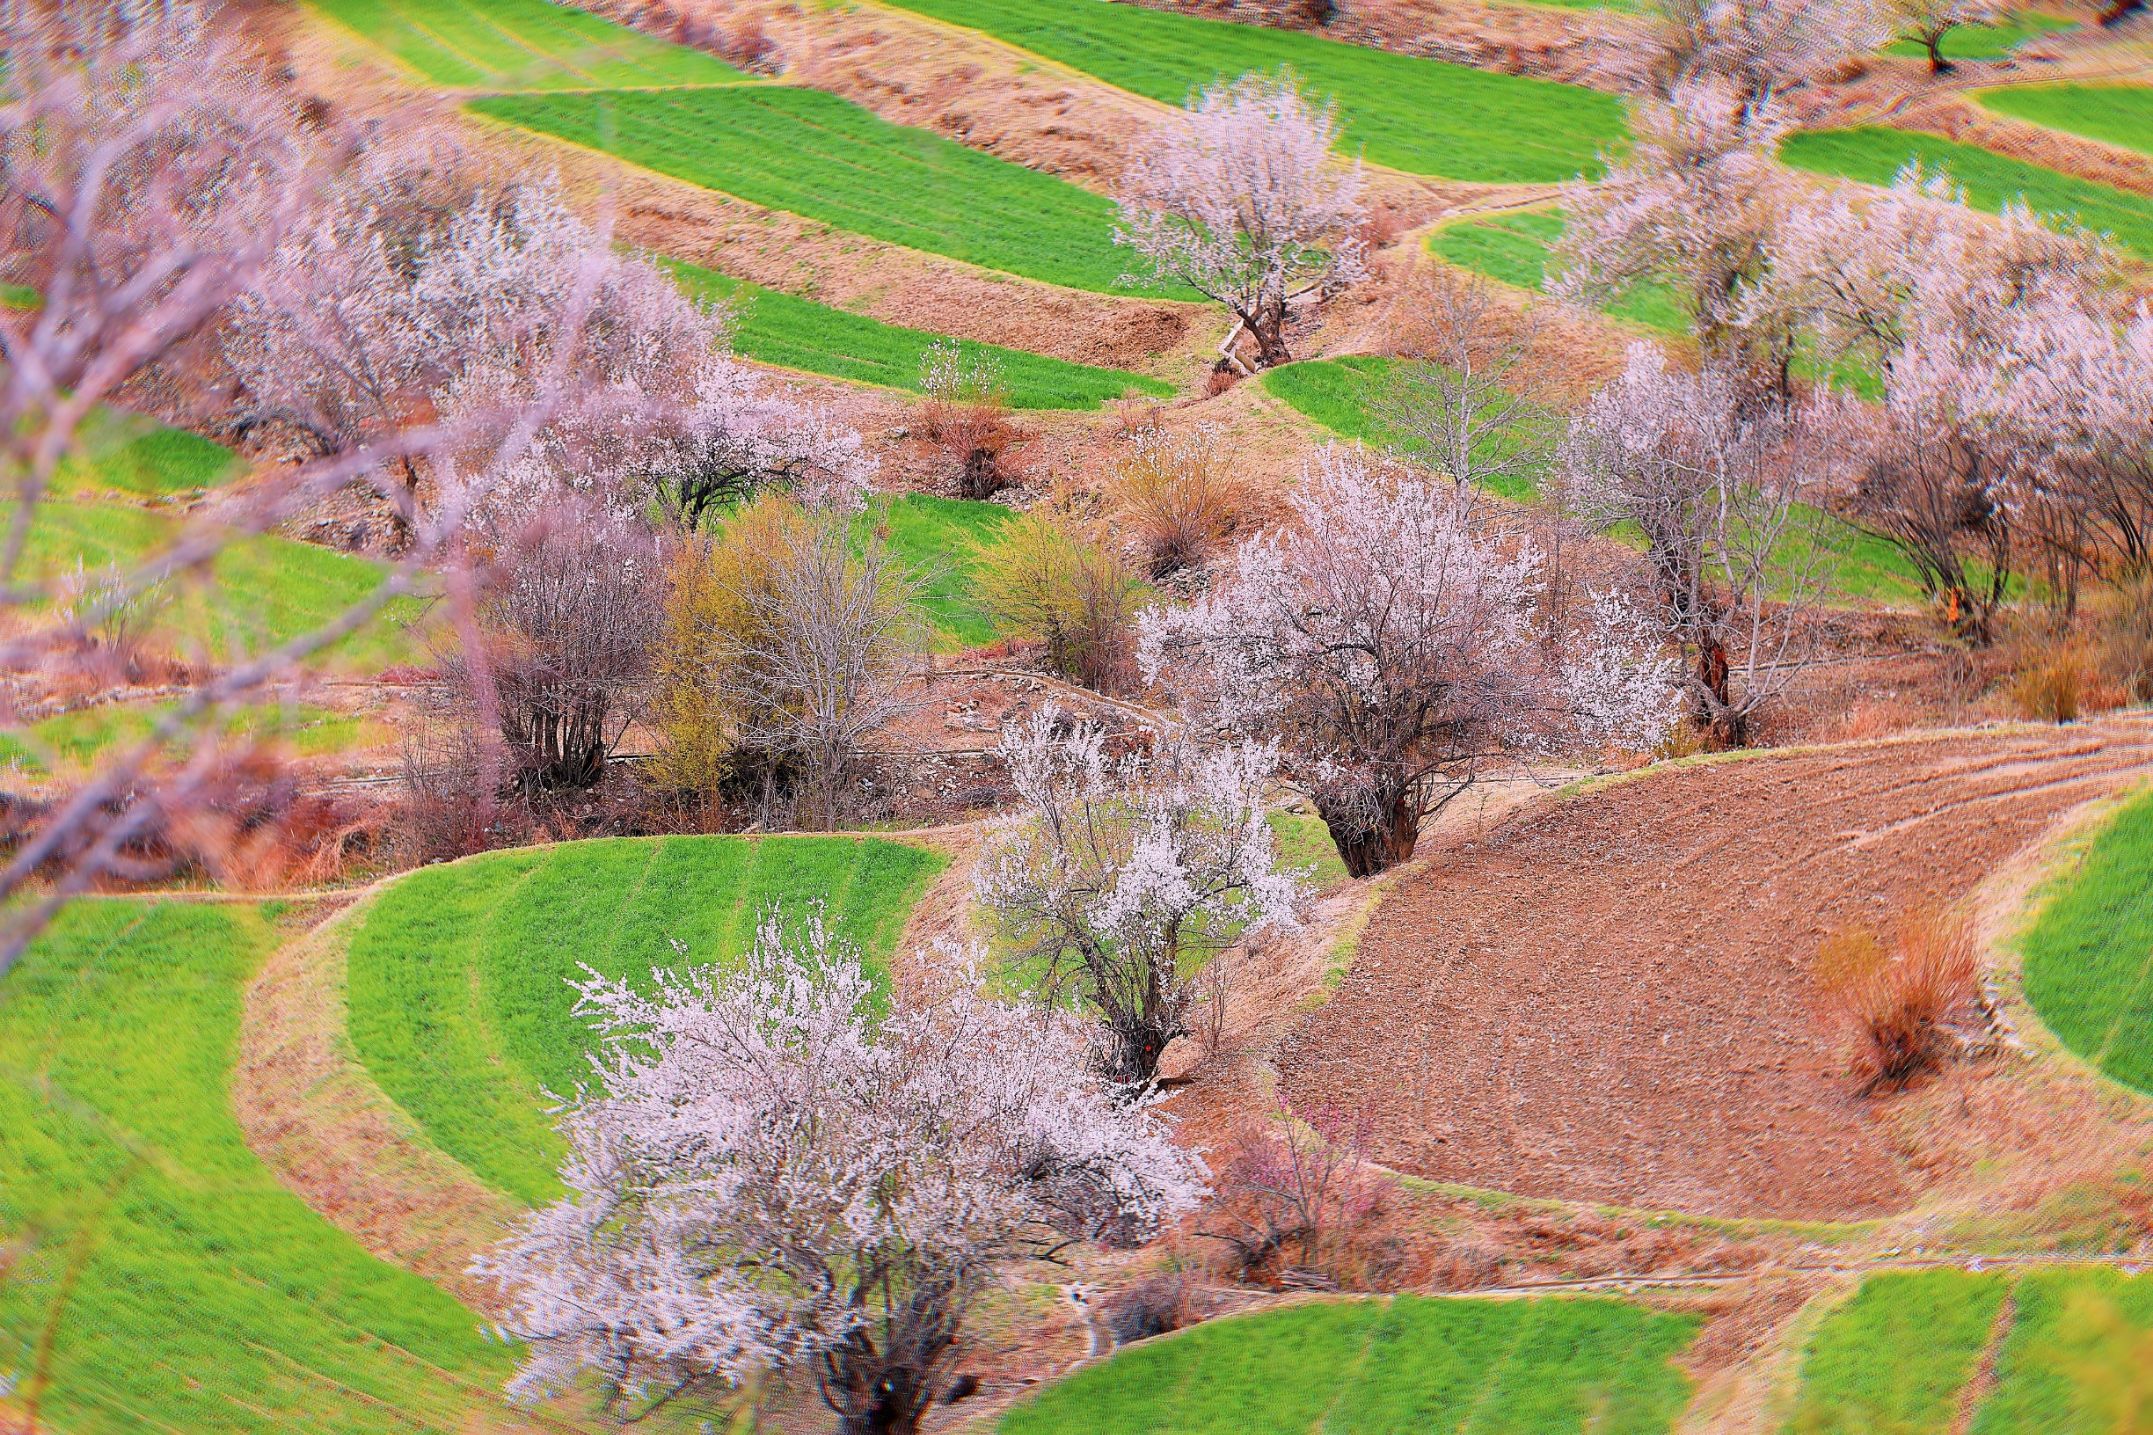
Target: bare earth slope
x,y
1605,998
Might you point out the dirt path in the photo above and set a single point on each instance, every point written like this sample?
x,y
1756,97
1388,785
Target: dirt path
x,y
1607,999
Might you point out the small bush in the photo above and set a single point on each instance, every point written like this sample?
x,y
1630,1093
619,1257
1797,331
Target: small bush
x,y
1299,1206
1223,377
1174,498
2051,682
1900,996
965,414
1046,580
2122,617
1153,1306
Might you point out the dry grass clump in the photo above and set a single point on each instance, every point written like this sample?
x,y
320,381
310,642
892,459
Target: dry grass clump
x,y
1901,995
2052,682
1176,497
2122,622
965,415
1048,579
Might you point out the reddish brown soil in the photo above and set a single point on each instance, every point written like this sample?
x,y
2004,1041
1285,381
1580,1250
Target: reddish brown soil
x,y
1606,998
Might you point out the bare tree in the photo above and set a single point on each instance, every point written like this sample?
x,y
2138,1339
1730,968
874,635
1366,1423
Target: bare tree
x,y
1467,405
1243,200
1393,645
1114,881
776,1173
568,612
1927,22
1736,563
830,637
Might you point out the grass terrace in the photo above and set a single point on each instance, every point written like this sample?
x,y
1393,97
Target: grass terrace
x,y
70,742
774,327
459,974
1874,155
182,1286
1905,1355
940,540
1408,113
124,454
1515,249
1383,1366
2089,953
522,45
1988,42
827,159
2120,115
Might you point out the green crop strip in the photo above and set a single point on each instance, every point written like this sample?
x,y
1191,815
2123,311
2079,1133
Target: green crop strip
x,y
2113,114
773,327
1383,1366
459,975
1873,156
199,1293
2089,954
1419,115
522,45
826,159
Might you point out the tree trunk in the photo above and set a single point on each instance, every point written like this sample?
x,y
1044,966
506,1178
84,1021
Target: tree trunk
x,y
2117,9
1267,326
1938,65
1367,850
880,1420
1715,674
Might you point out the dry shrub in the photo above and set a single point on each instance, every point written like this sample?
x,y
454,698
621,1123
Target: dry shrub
x,y
1900,996
2056,678
1175,498
1047,579
1133,415
1299,1206
1223,377
965,414
1154,1305
1381,229
2122,621
749,47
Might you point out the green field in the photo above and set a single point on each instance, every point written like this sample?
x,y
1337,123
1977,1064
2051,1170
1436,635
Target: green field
x,y
939,539
2114,114
829,160
773,327
1874,155
1515,249
522,45
2089,952
1408,113
1401,1366
263,590
1345,397
1898,1358
1895,1357
69,741
123,453
1988,42
186,1288
459,974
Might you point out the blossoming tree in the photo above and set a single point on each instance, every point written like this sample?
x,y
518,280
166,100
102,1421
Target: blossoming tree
x,y
773,1176
1243,200
1391,644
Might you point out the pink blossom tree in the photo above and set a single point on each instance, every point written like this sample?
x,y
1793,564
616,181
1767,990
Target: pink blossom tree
x,y
1693,205
1243,200
1393,642
772,1175
1114,880
1760,47
1716,493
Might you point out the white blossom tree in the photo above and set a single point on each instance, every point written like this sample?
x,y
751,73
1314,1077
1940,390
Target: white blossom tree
x,y
1694,205
1467,404
1734,556
1243,200
1392,644
772,1176
1115,880
1760,47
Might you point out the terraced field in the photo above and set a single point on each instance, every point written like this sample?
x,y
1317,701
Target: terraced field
x,y
1418,115
940,540
2114,114
1376,1367
522,45
1904,1355
1516,248
69,742
1874,155
829,160
459,974
126,454
2089,953
774,327
180,1286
